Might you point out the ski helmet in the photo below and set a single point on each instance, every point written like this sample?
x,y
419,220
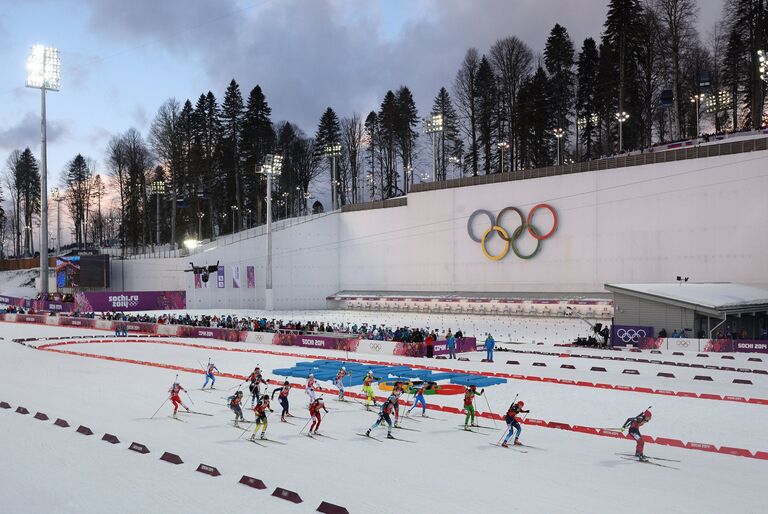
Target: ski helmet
x,y
647,414
286,383
520,403
370,372
343,368
265,397
473,387
312,375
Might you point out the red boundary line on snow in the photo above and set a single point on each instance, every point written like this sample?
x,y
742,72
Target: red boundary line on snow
x,y
533,378
739,452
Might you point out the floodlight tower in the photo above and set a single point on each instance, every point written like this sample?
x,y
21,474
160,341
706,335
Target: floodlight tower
x,y
273,165
333,151
621,117
434,127
43,73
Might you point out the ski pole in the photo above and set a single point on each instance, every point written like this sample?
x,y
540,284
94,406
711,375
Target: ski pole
x,y
158,409
305,424
490,411
190,398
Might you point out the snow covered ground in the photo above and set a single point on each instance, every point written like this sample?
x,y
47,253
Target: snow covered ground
x,y
445,470
19,283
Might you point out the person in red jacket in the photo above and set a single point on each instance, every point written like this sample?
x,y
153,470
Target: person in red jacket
x,y
260,410
175,398
634,425
314,413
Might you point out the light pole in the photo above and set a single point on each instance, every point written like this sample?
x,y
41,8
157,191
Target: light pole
x,y
43,73
621,117
333,151
307,196
28,228
434,126
158,189
503,147
696,100
56,194
559,133
234,216
762,64
456,161
285,204
272,167
200,216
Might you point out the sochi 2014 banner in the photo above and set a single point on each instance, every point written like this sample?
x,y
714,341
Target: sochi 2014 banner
x,y
251,276
629,335
131,301
236,276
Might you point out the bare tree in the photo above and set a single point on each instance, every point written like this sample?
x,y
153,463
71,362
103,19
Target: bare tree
x,y
512,62
117,165
165,137
678,18
12,179
352,141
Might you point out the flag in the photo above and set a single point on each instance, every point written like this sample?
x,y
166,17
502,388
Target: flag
x,y
236,276
251,273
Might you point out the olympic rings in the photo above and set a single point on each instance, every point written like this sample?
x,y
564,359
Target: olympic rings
x,y
526,223
630,335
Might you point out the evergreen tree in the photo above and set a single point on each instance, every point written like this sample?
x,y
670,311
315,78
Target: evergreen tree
x,y
465,92
258,141
449,144
388,117
329,134
651,68
407,121
231,121
559,60
587,99
487,103
371,134
750,19
26,177
78,180
165,138
536,128
620,43
735,65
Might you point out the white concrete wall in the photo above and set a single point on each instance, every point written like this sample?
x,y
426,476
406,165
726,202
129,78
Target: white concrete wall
x,y
703,218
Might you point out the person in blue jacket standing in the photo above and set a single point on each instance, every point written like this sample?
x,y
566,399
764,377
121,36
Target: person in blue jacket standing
x,y
489,345
451,342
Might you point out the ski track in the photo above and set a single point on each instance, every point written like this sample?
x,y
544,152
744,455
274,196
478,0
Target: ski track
x,y
44,467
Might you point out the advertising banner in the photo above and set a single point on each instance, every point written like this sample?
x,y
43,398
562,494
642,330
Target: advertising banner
x,y
463,345
198,281
629,335
251,272
223,334
236,276
131,301
312,341
735,345
221,279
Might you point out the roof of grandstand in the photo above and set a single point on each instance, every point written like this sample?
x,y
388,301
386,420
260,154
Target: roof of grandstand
x,y
711,298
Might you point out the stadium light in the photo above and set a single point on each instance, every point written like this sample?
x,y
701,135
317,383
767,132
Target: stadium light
x,y
621,117
503,147
56,195
559,133
333,151
434,126
43,73
272,167
158,189
696,100
762,63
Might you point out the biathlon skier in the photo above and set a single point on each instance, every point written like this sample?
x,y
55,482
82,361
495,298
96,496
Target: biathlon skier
x,y
469,405
314,413
513,423
235,406
255,380
175,398
386,410
339,382
283,399
397,391
419,399
260,410
634,425
209,375
310,389
368,389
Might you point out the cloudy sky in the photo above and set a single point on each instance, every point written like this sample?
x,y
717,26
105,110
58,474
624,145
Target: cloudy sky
x,y
121,59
